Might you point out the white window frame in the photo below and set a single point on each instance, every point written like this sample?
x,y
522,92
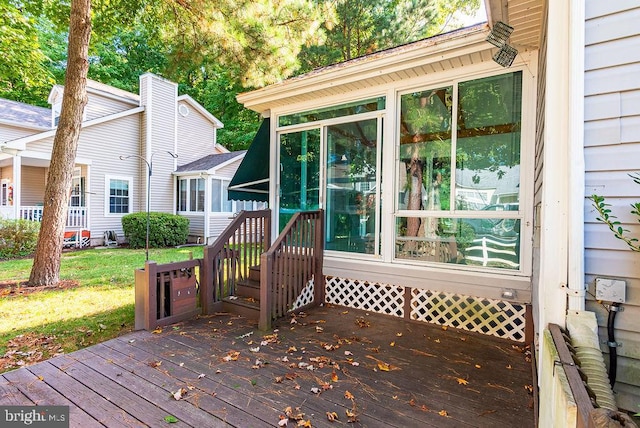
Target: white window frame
x,y
189,209
107,195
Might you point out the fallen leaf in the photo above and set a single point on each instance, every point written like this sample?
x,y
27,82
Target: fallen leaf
x,y
158,330
181,364
392,344
304,424
443,413
332,416
102,326
279,379
292,349
155,363
351,416
294,414
170,419
201,375
383,366
253,382
399,334
179,393
462,381
355,363
319,329
348,353
231,356
478,366
315,390
509,366
334,377
40,378
256,349
437,340
348,395
444,327
412,402
283,422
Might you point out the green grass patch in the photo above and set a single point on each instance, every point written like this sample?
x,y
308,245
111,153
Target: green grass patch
x,y
38,325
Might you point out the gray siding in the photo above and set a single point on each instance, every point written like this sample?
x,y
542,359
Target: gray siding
x,y
612,150
195,136
539,156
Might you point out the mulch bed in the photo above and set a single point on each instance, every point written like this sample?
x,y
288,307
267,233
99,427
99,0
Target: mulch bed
x,y
20,288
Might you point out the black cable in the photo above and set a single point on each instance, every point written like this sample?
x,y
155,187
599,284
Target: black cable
x,y
611,342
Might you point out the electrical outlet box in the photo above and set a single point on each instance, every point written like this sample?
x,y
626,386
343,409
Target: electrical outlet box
x,y
610,290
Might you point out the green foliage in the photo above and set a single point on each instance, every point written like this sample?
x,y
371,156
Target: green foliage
x,y
165,230
23,76
18,238
606,217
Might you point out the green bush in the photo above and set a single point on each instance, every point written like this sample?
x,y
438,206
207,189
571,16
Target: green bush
x,y
18,238
165,230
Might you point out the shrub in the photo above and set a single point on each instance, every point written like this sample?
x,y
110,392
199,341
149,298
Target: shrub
x,y
18,238
165,230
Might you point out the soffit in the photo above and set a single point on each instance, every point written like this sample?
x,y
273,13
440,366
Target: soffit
x,y
525,16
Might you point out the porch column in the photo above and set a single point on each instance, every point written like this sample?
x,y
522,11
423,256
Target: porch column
x,y
17,185
208,190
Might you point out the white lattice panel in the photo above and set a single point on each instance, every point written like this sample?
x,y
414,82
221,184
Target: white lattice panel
x,y
487,316
374,297
305,297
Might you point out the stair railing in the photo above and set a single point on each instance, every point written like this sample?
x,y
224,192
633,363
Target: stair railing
x,y
230,257
289,266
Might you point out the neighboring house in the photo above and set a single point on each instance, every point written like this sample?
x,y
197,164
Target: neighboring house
x,y
118,124
419,130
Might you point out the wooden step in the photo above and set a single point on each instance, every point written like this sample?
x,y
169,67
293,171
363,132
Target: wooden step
x,y
248,288
245,306
254,273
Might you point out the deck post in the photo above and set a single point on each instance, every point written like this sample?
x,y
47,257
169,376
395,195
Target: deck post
x,y
206,282
318,253
266,269
145,297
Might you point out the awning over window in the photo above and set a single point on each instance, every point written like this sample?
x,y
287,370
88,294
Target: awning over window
x,y
251,180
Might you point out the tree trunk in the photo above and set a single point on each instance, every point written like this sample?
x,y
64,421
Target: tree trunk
x,y
46,264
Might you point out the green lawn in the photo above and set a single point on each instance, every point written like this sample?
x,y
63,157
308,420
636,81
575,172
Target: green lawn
x,y
34,326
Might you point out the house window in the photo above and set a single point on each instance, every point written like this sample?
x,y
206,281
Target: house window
x,y
190,195
458,162
196,194
220,202
77,198
119,195
4,193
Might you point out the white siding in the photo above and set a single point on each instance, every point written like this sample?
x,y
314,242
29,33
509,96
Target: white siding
x,y
195,135
104,144
33,183
100,106
161,111
612,151
8,132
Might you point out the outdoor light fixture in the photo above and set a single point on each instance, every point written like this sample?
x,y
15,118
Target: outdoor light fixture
x,y
498,37
150,170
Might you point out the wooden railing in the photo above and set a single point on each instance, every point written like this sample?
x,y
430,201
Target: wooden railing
x,y
168,293
293,260
231,256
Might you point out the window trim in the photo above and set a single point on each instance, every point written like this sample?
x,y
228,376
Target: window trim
x,y
107,195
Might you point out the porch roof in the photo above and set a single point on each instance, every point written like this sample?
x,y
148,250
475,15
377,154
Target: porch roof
x,y
25,115
439,53
209,163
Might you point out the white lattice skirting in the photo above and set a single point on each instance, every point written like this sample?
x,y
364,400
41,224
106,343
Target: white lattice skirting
x,y
492,317
305,297
381,298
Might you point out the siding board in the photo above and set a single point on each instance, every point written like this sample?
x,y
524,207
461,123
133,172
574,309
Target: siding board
x,y
612,27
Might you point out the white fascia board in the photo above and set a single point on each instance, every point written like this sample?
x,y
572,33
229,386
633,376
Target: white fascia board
x,y
20,143
47,156
203,111
431,51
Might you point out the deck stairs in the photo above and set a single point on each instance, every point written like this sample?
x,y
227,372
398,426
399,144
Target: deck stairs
x,y
246,300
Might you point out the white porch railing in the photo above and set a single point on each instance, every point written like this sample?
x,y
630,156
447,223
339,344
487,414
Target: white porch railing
x,y
76,217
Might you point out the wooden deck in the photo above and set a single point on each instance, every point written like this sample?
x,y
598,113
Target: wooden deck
x,y
385,371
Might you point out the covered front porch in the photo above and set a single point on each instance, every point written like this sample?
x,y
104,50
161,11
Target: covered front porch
x,y
22,186
362,369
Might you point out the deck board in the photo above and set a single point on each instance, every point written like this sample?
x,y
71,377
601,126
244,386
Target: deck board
x,y
436,377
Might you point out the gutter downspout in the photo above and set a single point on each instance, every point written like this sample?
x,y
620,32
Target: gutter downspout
x,y
576,167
